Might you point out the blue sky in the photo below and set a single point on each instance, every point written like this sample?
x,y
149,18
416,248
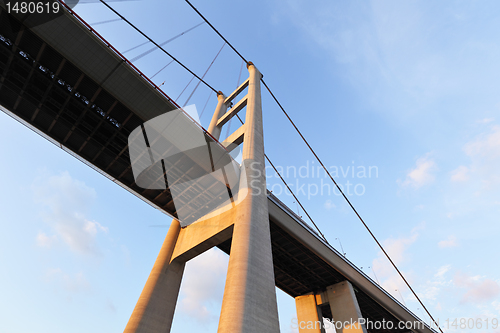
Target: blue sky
x,y
407,88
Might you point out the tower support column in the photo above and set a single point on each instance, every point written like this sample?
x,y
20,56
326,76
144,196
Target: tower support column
x,y
155,308
221,108
249,304
309,318
345,308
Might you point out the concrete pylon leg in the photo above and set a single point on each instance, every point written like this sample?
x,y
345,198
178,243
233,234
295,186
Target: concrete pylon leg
x,y
345,308
155,308
249,304
309,318
219,111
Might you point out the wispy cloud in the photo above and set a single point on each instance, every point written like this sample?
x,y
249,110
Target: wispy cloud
x,y
434,286
486,120
329,205
460,174
451,241
404,56
66,204
419,207
43,240
487,145
397,250
478,290
474,185
72,283
484,152
422,174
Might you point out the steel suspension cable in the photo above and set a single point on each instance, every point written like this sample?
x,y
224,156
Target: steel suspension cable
x,y
237,85
218,33
182,92
245,61
318,159
103,22
209,66
296,128
350,204
171,61
158,46
243,58
290,190
165,42
201,80
296,199
206,103
161,44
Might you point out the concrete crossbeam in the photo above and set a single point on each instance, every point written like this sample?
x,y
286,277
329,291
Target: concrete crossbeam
x,y
235,139
231,113
237,91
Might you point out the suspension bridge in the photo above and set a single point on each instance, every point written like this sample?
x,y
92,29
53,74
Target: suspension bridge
x,y
63,80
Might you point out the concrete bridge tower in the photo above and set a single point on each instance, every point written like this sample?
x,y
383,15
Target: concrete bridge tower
x,y
249,303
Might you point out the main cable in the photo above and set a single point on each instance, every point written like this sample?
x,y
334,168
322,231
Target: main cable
x,y
156,44
243,58
237,85
326,170
350,204
296,128
298,131
218,33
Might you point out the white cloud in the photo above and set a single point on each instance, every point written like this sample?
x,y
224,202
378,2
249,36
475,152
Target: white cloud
x,y
419,207
329,204
67,202
451,241
92,227
484,152
482,292
396,248
385,50
43,240
442,271
72,283
478,289
486,120
496,305
460,174
202,297
486,145
422,174
432,288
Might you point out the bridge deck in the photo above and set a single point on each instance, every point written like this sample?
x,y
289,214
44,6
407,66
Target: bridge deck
x,y
64,81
